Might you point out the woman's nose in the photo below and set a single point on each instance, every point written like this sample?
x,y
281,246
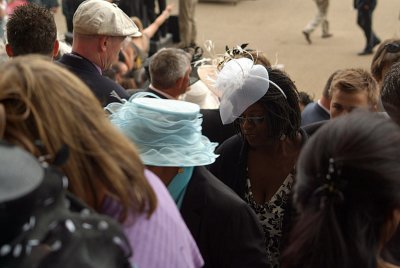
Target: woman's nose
x,y
246,124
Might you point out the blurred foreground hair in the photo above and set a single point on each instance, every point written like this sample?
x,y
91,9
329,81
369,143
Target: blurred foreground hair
x,y
41,101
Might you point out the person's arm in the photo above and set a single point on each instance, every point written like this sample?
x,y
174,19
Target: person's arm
x,y
152,28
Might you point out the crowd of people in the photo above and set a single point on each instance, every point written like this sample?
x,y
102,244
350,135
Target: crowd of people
x,y
106,161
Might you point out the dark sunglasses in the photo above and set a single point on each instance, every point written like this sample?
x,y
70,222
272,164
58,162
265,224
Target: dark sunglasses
x,y
254,120
392,47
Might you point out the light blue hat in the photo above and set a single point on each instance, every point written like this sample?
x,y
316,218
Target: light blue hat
x,y
166,132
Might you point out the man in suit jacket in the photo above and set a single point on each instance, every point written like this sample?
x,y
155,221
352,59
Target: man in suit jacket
x,y
319,111
169,73
100,27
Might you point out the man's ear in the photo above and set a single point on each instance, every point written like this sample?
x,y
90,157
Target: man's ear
x,y
178,82
56,47
9,51
102,43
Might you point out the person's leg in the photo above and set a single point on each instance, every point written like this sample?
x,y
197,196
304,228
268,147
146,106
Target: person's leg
x,y
161,6
313,24
364,20
324,5
150,8
187,27
374,40
68,14
193,22
317,20
183,22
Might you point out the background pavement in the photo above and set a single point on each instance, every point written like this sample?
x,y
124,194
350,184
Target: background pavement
x,y
274,27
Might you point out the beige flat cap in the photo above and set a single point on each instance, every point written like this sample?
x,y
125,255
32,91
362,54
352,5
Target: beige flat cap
x,y
100,17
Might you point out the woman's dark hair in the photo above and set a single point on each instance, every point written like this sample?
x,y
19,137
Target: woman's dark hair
x,y
347,186
283,114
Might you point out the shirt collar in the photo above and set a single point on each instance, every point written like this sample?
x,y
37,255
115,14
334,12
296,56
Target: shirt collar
x,y
161,92
326,110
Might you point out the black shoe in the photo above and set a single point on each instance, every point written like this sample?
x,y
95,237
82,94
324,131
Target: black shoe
x,y
375,43
307,36
369,49
365,52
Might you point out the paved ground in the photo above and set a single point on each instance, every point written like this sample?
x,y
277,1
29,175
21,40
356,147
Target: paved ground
x,y
274,26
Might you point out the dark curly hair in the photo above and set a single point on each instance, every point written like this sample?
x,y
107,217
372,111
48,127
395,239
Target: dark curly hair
x,y
31,29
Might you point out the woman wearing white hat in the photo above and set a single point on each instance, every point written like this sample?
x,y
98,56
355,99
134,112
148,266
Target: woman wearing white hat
x,y
258,164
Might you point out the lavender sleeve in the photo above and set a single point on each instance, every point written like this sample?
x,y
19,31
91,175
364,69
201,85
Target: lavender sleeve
x,y
163,240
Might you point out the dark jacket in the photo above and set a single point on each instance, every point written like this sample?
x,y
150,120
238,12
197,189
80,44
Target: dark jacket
x,y
224,227
105,89
312,113
230,166
310,129
371,4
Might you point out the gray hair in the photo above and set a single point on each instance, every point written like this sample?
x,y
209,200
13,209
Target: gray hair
x,y
167,66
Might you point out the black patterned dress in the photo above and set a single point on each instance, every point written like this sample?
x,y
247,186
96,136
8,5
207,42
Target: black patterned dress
x,y
271,216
